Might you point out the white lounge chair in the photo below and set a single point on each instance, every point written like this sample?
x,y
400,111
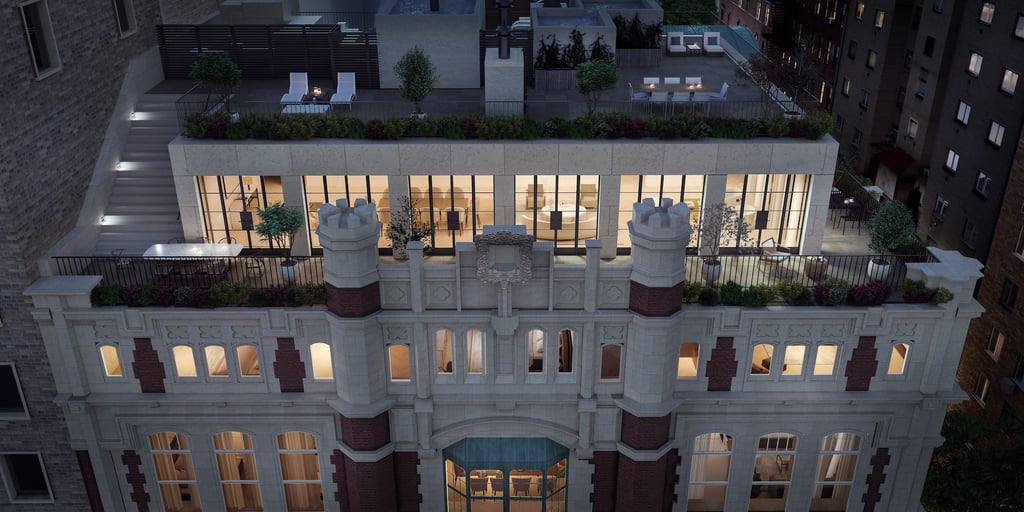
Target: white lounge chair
x,y
297,88
720,95
713,44
675,43
346,90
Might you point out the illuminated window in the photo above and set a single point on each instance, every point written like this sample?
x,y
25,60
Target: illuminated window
x,y
974,65
952,160
995,133
939,210
761,362
611,356
846,86
859,11
912,129
445,357
535,351
24,477
872,59
124,11
982,184
323,365
475,351
42,45
236,464
248,361
825,359
1018,30
963,113
709,471
398,362
837,465
981,385
184,361
879,18
300,471
111,361
898,358
565,351
175,474
794,360
689,360
995,344
988,9
216,361
773,469
1009,81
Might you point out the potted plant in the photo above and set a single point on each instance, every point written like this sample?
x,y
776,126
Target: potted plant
x,y
416,77
594,77
718,222
890,226
278,225
405,226
815,267
220,74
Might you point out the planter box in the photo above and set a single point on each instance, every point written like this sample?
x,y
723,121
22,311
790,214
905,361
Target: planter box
x,y
638,58
555,79
815,269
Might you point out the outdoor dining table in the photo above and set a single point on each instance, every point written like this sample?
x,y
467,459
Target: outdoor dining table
x,y
193,258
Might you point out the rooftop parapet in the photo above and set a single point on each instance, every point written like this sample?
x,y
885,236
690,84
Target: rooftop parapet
x,y
349,236
660,235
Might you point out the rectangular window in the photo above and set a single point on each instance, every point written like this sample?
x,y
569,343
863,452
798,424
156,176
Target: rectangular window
x,y
1018,31
111,361
974,64
922,87
124,11
851,50
929,46
995,133
937,5
24,477
908,59
794,362
846,86
968,234
1019,249
236,463
898,358
475,351
963,113
872,59
1008,294
773,471
857,136
981,389
42,45
939,210
300,471
988,9
175,474
761,359
825,359
859,11
689,360
1018,367
1009,81
912,129
840,123
879,18
982,184
12,401
398,362
837,466
709,471
865,98
995,344
952,160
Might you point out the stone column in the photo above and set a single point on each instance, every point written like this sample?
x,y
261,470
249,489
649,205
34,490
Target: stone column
x,y
660,235
349,236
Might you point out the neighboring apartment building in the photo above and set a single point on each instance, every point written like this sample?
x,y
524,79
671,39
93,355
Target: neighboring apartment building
x,y
992,366
63,67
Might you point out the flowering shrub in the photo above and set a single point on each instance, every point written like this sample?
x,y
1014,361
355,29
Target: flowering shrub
x,y
869,294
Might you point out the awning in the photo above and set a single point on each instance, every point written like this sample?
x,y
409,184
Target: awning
x,y
506,453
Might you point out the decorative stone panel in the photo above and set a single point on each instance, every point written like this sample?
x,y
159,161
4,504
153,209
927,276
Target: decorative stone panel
x,y
862,366
147,366
353,302
136,479
288,367
722,365
875,479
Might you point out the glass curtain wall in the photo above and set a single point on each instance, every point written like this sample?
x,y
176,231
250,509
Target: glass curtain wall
x,y
636,188
561,209
328,189
772,205
230,203
456,207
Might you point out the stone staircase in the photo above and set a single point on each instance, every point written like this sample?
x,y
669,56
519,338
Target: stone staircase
x,y
143,207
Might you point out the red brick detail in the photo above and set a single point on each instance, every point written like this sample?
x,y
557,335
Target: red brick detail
x,y
642,485
136,479
671,479
371,485
366,433
722,365
407,481
353,302
288,367
147,366
605,473
338,477
862,366
89,477
875,479
649,301
645,433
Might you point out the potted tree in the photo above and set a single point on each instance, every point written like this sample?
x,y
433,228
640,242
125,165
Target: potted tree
x,y
405,226
278,225
416,78
719,222
220,75
891,226
594,77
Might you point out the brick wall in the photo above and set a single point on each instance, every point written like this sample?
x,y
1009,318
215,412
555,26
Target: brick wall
x,y
288,367
605,473
147,366
641,485
371,485
338,477
136,479
722,365
407,481
875,479
353,302
645,433
56,129
366,433
862,366
649,301
89,477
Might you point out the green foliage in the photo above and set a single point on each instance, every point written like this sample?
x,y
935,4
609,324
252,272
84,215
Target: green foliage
x,y
733,128
593,78
109,295
556,128
532,130
294,127
942,296
278,225
181,295
426,127
549,55
689,12
831,292
890,226
553,55
635,34
311,294
709,297
417,76
789,290
817,123
758,296
777,127
691,290
229,292
589,127
218,72
732,293
493,128
663,129
600,51
405,225
237,131
574,53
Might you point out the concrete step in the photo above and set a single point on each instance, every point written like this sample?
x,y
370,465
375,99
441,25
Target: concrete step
x,y
158,167
135,153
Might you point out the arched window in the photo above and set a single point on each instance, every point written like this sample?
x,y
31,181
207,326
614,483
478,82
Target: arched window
x,y
175,475
535,351
565,349
761,361
475,351
611,356
184,361
445,355
236,464
320,356
825,359
689,360
216,361
837,465
300,471
773,470
898,358
248,361
709,471
398,359
111,361
794,360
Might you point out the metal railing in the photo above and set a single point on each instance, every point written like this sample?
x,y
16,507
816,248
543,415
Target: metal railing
x,y
354,20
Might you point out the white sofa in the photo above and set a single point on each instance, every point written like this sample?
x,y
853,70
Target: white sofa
x,y
713,44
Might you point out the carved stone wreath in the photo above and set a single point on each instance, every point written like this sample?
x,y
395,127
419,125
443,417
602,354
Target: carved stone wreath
x,y
485,248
